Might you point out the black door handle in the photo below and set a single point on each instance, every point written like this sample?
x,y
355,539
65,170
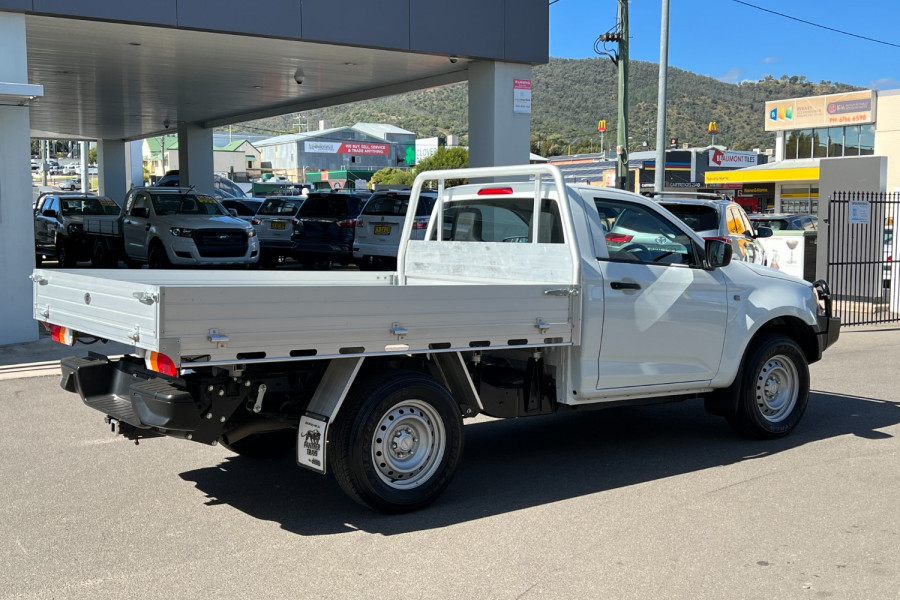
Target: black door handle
x,y
624,285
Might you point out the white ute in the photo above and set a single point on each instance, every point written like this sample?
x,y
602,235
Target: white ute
x,y
512,305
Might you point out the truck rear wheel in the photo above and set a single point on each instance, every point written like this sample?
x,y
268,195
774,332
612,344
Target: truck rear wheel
x,y
397,442
774,389
102,256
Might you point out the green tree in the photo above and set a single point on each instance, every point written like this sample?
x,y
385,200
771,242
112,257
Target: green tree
x,y
92,155
391,176
445,158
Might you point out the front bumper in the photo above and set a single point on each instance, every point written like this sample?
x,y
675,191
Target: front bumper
x,y
829,326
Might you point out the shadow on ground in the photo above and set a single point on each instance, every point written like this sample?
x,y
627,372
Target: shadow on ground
x,y
515,464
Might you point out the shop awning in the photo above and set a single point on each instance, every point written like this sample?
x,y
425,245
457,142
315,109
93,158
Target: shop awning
x,y
790,170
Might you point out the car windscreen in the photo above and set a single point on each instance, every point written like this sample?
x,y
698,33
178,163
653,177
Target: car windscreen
x,y
698,217
280,207
774,224
391,204
90,205
324,205
185,204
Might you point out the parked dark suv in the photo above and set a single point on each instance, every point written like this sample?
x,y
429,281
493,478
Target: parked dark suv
x,y
58,225
325,227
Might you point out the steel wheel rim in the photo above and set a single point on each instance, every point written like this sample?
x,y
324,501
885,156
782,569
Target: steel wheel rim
x,y
408,444
777,388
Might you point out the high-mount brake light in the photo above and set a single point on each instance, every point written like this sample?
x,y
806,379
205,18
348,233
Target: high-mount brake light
x,y
63,335
618,238
161,364
495,191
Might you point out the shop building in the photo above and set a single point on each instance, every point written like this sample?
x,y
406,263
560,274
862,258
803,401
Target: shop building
x,y
809,130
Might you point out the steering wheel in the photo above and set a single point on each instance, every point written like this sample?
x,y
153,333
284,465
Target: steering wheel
x,y
639,250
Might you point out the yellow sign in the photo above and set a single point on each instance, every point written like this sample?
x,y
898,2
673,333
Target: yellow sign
x,y
713,127
601,126
763,175
833,110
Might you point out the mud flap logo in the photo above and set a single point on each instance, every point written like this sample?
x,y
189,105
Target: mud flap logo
x,y
311,443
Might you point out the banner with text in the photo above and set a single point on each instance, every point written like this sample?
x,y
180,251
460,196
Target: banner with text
x,y
833,110
347,148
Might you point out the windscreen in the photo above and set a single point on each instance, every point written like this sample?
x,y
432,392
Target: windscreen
x,y
696,216
391,204
185,204
280,207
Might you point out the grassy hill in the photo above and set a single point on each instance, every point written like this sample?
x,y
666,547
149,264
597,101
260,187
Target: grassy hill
x,y
570,96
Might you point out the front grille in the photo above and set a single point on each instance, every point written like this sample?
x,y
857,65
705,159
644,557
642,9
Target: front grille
x,y
220,243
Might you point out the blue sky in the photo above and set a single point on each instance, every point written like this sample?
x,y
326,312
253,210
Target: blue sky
x,y
733,42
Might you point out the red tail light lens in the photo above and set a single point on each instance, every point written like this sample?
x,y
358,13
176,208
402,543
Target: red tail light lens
x,y
161,364
495,191
618,238
63,335
420,223
255,221
347,223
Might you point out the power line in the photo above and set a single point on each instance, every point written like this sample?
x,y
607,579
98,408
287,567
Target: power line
x,y
862,37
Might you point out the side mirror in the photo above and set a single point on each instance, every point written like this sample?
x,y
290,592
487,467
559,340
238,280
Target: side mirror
x,y
49,213
764,232
718,253
232,212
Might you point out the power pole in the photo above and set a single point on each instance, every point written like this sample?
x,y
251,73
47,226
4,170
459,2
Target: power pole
x,y
620,59
659,181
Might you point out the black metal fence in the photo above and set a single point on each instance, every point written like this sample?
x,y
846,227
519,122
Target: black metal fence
x,y
862,269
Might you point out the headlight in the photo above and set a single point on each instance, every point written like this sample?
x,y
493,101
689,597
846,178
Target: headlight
x,y
251,233
181,231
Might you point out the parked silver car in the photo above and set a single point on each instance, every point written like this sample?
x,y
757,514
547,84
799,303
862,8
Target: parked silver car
x,y
380,223
712,216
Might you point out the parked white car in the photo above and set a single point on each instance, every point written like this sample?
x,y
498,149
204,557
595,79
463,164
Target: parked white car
x,y
379,226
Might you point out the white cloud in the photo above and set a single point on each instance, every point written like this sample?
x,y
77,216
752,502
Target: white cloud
x,y
885,83
731,76
770,60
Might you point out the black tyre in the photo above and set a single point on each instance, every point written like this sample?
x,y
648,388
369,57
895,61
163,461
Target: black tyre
x,y
397,442
102,257
774,389
64,256
157,258
263,445
316,264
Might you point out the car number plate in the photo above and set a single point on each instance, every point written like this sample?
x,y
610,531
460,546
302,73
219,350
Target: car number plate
x,y
277,224
382,230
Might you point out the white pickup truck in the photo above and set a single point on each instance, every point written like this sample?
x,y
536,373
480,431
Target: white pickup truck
x,y
520,300
165,227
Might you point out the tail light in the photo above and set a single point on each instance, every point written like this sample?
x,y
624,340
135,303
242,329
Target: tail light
x,y
255,221
359,223
161,364
718,238
347,223
495,191
295,221
420,223
63,335
618,238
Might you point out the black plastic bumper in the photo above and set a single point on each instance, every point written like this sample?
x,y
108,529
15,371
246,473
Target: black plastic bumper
x,y
829,325
128,392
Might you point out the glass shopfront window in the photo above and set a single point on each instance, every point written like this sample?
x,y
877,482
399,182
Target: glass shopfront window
x,y
799,199
866,140
836,141
853,140
820,143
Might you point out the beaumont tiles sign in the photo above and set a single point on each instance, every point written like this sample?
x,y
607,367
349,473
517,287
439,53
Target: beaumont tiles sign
x,y
732,158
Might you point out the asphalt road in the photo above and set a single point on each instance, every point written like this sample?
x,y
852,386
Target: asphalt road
x,y
639,503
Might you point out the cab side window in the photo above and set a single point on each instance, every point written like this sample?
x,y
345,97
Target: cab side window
x,y
140,206
635,233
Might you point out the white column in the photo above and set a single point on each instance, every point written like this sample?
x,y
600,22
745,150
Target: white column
x,y
111,169
134,163
497,134
85,167
195,157
16,218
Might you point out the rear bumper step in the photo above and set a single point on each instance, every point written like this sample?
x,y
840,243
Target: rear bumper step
x,y
125,391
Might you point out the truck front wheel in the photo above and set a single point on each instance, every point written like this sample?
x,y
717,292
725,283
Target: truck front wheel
x,y
157,258
774,389
397,442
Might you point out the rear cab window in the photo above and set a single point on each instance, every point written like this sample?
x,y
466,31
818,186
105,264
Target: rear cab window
x,y
280,207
